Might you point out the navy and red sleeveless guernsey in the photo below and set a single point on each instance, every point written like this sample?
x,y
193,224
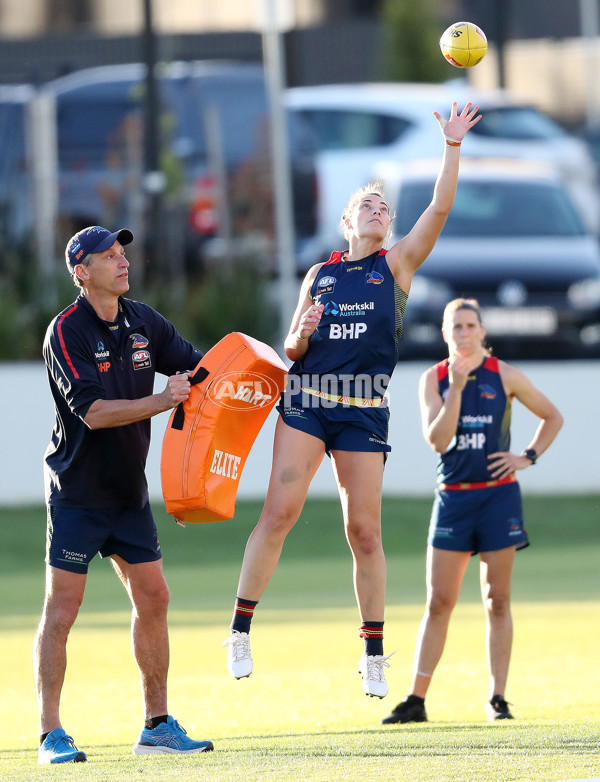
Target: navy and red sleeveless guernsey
x,y
88,359
360,327
483,426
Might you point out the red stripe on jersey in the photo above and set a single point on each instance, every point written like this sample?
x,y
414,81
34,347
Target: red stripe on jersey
x,y
336,257
442,369
491,363
62,340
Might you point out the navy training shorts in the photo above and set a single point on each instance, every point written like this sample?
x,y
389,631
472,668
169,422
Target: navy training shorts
x,y
478,519
338,435
75,535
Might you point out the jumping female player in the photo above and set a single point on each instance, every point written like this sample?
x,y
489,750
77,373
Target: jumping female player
x,y
465,409
343,340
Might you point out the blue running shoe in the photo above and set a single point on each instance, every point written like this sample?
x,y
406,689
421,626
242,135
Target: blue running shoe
x,y
169,736
57,747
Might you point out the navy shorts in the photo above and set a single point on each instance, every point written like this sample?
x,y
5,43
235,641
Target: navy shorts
x,y
76,535
478,519
338,435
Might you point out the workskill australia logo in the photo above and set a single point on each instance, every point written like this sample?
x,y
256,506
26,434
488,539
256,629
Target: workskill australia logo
x,y
346,310
249,392
101,351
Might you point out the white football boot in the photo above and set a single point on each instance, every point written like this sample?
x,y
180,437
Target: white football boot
x,y
239,658
370,667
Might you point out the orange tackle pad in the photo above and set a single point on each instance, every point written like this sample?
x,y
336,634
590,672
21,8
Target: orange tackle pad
x,y
210,435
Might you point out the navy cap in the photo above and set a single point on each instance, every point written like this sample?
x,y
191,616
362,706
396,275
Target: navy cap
x,y
93,240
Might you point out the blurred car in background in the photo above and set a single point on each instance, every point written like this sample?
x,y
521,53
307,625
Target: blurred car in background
x,y
514,241
15,207
216,160
359,126
216,151
591,136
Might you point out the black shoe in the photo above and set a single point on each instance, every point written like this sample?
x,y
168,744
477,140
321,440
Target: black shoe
x,y
497,709
408,710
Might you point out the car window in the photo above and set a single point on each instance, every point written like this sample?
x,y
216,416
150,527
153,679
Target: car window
x,y
518,123
212,121
15,207
90,121
496,209
342,129
12,138
592,138
240,106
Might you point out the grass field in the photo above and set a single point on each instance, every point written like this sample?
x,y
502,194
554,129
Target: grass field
x,y
302,714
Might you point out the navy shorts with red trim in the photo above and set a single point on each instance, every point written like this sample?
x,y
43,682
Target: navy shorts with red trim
x,y
75,535
478,519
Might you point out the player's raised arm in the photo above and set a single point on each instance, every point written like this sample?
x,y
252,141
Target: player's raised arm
x,y
408,253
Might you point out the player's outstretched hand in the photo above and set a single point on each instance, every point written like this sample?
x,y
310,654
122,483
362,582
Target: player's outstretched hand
x,y
456,128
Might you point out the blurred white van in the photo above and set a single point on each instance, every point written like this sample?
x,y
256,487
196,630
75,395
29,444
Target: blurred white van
x,y
360,126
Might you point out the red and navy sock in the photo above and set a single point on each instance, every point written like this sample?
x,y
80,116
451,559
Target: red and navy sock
x,y
243,611
372,632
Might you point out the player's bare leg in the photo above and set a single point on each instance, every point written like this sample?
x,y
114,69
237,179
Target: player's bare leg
x,y
296,458
149,595
359,478
496,577
445,572
64,595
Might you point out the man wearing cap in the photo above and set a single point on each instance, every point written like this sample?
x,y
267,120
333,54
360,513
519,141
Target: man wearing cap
x,y
101,354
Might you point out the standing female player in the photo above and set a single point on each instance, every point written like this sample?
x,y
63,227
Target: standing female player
x,y
343,340
465,409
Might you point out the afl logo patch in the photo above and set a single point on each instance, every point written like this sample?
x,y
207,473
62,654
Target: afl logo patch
x,y
326,285
375,278
141,359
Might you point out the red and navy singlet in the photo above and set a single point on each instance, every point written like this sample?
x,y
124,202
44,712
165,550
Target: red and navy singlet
x,y
483,425
360,327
